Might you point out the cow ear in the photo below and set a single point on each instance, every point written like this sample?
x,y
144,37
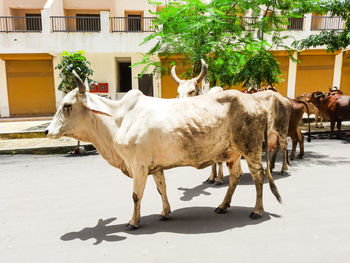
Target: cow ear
x,y
96,105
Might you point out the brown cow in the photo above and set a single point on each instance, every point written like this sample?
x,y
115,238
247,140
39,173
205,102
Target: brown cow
x,y
334,107
294,130
312,109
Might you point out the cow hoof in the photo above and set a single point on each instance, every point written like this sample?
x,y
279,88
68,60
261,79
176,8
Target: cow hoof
x,y
300,156
254,216
129,227
220,210
217,183
284,173
163,218
209,181
291,157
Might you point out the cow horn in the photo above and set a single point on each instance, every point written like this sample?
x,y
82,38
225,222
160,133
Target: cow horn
x,y
203,72
80,83
175,77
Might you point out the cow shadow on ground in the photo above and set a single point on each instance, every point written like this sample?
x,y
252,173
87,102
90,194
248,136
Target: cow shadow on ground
x,y
189,220
314,158
246,179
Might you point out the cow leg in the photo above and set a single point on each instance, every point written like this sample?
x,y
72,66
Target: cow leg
x,y
294,147
273,158
283,145
321,125
339,129
220,178
301,143
235,171
285,162
161,187
257,173
140,177
332,129
212,177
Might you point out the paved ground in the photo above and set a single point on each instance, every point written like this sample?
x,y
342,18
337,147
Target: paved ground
x,y
72,209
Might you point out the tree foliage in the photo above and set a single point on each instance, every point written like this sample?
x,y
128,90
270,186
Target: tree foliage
x,y
221,33
73,61
333,40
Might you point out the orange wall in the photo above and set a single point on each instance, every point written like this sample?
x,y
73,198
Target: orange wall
x,y
314,72
284,66
345,74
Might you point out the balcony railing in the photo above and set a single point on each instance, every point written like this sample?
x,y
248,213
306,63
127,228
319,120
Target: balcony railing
x,y
75,24
131,24
327,23
294,23
20,24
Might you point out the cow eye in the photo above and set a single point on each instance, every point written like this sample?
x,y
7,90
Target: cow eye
x,y
193,92
67,108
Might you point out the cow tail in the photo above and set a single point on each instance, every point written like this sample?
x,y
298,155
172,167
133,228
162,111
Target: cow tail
x,y
273,187
308,119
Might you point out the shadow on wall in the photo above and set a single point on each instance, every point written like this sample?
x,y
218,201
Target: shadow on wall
x,y
190,220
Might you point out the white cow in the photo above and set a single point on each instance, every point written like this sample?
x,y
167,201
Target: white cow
x,y
190,88
277,106
144,135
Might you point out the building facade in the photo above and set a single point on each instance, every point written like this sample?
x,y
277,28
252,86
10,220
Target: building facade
x,y
33,34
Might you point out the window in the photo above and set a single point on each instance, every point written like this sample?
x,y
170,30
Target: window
x,y
134,22
33,22
296,23
88,22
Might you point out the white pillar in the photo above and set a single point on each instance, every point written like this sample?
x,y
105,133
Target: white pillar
x,y
104,18
45,21
56,59
337,69
292,76
308,19
4,102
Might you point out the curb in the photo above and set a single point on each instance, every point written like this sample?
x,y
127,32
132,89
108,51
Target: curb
x,y
22,135
46,150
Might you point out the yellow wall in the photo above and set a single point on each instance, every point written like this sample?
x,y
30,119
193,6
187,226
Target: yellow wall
x,y
169,86
314,72
284,66
30,87
345,75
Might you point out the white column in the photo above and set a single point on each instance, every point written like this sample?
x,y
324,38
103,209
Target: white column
x,y
292,76
45,21
104,18
56,59
308,19
337,69
4,102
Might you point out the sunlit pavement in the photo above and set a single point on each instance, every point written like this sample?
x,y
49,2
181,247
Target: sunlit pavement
x,y
73,209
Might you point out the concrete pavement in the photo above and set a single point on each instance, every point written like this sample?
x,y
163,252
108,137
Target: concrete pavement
x,y
56,208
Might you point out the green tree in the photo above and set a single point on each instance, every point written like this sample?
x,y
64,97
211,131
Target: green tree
x,y
73,61
335,39
221,33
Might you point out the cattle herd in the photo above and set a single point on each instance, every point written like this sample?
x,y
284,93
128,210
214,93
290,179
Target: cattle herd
x,y
144,135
